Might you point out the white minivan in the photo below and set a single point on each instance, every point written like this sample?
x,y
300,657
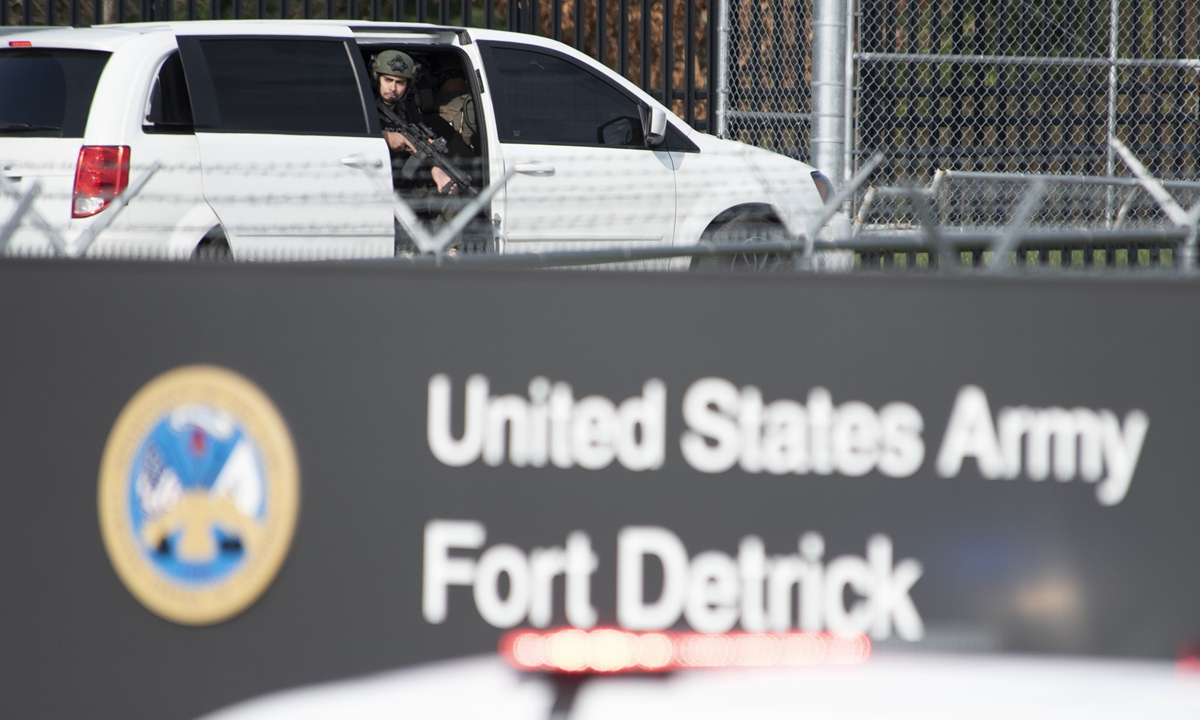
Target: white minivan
x,y
264,141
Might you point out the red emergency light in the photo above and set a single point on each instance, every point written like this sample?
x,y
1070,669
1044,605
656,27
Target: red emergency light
x,y
610,650
19,43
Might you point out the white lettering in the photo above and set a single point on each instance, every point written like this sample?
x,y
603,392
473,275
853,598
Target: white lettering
x,y
581,563
511,411
633,545
891,603
820,416
786,572
562,402
903,449
712,591
812,549
970,434
549,427
456,453
645,416
712,442
727,427
1013,423
502,612
539,421
855,439
545,564
1067,443
785,438
752,566
591,432
712,602
750,420
1121,451
852,571
441,570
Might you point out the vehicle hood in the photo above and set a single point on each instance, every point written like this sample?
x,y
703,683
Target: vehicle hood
x,y
780,181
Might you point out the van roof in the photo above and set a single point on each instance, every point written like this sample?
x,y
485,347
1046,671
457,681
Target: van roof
x,y
109,37
99,38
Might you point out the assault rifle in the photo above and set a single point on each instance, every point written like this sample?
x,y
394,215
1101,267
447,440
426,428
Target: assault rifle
x,y
429,147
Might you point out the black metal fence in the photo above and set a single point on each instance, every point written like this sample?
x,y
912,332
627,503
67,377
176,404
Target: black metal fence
x,y
663,46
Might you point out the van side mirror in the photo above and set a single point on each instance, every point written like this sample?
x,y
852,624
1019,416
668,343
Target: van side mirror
x,y
621,132
654,125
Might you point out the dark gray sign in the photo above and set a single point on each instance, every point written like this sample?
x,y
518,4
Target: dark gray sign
x,y
945,462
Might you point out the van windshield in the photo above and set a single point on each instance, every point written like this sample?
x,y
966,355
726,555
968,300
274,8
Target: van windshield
x,y
47,92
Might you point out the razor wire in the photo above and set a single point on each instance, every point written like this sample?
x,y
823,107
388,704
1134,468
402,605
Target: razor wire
x,y
596,215
590,204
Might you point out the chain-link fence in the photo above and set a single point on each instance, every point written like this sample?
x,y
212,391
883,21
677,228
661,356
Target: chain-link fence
x,y
769,74
1028,86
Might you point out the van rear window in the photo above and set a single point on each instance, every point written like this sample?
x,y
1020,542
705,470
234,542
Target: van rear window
x,y
47,92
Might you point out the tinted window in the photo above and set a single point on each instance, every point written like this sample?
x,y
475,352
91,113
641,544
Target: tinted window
x,y
542,98
169,109
284,86
47,93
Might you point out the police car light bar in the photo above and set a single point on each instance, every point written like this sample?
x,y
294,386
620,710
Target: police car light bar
x,y
609,650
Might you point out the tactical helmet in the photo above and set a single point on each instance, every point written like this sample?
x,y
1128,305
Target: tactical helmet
x,y
394,62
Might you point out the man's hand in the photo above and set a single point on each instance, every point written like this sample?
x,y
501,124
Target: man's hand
x,y
441,178
396,141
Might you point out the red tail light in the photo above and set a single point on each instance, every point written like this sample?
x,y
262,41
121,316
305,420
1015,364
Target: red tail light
x,y
608,650
100,175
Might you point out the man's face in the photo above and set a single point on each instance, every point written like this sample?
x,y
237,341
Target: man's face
x,y
392,88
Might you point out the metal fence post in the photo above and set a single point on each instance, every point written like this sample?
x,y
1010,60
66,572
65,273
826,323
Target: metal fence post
x,y
848,99
829,87
1114,11
722,90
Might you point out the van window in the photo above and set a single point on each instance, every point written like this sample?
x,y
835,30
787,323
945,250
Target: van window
x,y
548,100
260,85
169,109
46,92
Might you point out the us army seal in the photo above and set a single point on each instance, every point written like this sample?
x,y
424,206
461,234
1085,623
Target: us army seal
x,y
199,494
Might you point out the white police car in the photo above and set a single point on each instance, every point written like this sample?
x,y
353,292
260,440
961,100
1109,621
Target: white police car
x,y
901,685
267,142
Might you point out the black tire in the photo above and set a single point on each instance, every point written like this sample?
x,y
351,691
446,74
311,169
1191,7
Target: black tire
x,y
213,246
746,227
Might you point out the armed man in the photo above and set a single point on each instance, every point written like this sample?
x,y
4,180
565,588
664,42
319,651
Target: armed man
x,y
423,155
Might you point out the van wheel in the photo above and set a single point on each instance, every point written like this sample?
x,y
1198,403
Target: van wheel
x,y
748,227
213,246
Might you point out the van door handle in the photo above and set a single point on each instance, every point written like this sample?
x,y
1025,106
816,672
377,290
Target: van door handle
x,y
537,167
359,162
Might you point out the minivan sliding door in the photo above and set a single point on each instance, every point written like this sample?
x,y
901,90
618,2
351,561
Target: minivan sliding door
x,y
279,121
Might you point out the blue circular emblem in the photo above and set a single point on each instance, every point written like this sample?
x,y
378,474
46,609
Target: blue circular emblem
x,y
199,493
197,498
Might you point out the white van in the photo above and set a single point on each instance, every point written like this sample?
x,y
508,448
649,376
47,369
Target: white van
x,y
267,143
